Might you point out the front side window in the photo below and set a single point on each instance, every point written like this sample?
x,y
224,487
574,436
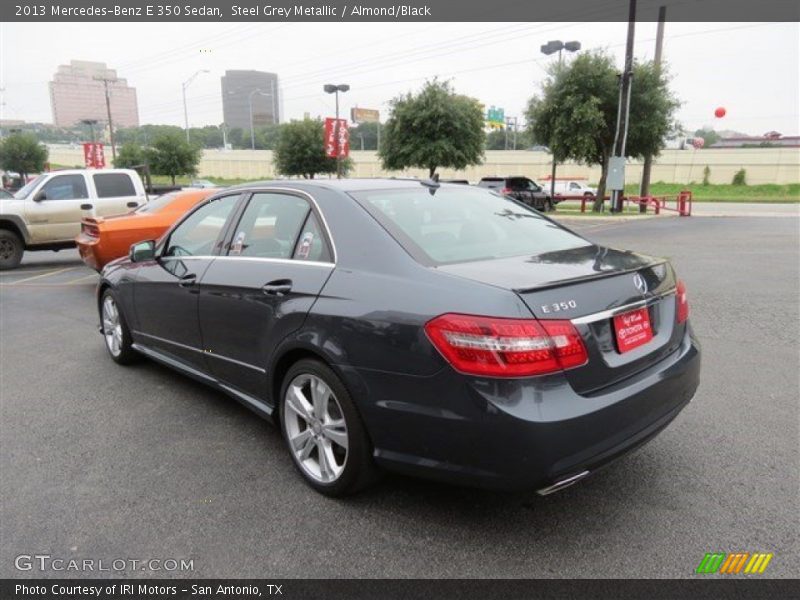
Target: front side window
x,y
65,187
269,226
113,185
464,224
198,234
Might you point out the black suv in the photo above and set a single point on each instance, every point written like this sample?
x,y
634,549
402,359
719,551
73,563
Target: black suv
x,y
520,188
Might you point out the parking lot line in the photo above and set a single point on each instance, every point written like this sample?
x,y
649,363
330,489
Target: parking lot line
x,y
40,275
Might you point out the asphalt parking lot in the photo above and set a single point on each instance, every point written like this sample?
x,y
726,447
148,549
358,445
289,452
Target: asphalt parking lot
x,y
100,461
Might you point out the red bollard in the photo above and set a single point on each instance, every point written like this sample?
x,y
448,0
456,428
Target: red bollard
x,y
685,203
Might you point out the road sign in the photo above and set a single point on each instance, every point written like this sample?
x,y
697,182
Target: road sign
x,y
93,155
364,115
496,117
337,139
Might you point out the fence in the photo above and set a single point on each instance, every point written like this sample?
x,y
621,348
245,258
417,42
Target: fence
x,y
763,165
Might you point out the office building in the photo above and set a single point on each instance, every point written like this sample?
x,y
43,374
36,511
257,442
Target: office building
x,y
239,88
77,92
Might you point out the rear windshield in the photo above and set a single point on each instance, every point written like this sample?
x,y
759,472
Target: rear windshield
x,y
156,204
464,224
492,182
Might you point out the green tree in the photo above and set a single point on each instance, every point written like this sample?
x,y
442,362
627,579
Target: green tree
x,y
130,155
301,150
170,154
267,136
576,114
21,152
710,137
435,128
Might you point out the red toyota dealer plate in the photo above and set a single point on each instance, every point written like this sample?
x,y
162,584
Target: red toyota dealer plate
x,y
632,329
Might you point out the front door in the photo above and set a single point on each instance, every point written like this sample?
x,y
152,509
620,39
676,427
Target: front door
x,y
261,291
167,288
56,214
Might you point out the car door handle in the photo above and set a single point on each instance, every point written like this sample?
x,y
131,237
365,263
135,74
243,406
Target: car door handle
x,y
188,280
133,204
279,287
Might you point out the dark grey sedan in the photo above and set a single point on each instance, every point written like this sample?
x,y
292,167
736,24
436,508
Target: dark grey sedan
x,y
438,330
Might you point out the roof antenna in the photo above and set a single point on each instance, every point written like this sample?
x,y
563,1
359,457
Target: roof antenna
x,y
432,184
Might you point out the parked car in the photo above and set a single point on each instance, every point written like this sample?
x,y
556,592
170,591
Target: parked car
x,y
202,183
103,239
45,214
571,187
439,330
4,194
520,188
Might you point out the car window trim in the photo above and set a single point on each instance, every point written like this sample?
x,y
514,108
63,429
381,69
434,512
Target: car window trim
x,y
326,232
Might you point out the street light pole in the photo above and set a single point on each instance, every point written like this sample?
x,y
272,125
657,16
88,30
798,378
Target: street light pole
x,y
252,126
185,85
549,48
335,89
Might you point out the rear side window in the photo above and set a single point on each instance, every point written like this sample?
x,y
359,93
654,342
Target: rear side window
x,y
113,185
492,182
269,226
464,224
311,243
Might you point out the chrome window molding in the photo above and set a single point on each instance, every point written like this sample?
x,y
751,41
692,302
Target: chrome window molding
x,y
285,261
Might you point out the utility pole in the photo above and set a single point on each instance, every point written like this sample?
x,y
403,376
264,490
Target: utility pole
x,y
644,189
621,135
106,81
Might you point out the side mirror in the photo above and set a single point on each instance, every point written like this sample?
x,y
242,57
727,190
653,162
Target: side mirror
x,y
39,196
143,251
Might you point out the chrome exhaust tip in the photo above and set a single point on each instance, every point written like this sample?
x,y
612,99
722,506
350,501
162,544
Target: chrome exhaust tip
x,y
564,483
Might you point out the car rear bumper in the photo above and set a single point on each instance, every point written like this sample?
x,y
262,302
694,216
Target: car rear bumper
x,y
517,433
90,251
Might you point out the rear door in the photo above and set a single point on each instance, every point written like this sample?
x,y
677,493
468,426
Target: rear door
x,y
277,260
116,193
56,217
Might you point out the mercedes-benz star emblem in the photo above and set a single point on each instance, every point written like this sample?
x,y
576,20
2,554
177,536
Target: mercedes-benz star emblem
x,y
640,283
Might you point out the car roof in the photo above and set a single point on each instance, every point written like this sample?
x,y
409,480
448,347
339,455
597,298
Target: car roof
x,y
345,185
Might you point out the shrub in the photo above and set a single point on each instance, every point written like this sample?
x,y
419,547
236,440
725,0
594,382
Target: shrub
x,y
739,178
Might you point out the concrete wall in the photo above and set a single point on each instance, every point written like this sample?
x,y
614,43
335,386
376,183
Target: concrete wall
x,y
763,165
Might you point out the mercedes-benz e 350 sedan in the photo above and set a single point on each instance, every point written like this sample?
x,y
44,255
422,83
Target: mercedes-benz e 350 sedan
x,y
437,330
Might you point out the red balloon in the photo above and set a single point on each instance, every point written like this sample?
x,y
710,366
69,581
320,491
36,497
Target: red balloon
x,y
720,112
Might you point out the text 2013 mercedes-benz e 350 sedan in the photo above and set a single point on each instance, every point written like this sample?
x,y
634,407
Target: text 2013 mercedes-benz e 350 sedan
x,y
432,329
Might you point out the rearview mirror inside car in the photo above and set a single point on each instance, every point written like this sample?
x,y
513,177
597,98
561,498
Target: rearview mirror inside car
x,y
143,251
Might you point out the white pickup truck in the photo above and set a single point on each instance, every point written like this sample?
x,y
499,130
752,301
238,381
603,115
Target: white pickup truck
x,y
566,187
46,213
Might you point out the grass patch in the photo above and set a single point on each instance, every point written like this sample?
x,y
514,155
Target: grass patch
x,y
787,193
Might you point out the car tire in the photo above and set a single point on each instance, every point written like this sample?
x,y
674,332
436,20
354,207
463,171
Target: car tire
x,y
116,334
326,438
549,206
11,250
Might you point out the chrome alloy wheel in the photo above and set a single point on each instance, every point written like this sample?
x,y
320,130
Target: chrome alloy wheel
x,y
112,326
315,428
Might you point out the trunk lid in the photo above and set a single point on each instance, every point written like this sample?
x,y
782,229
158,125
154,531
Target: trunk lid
x,y
589,285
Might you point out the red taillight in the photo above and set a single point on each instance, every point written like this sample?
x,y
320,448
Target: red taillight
x,y
681,302
505,191
90,230
498,347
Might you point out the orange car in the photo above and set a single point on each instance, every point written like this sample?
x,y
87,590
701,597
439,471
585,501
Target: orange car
x,y
101,240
